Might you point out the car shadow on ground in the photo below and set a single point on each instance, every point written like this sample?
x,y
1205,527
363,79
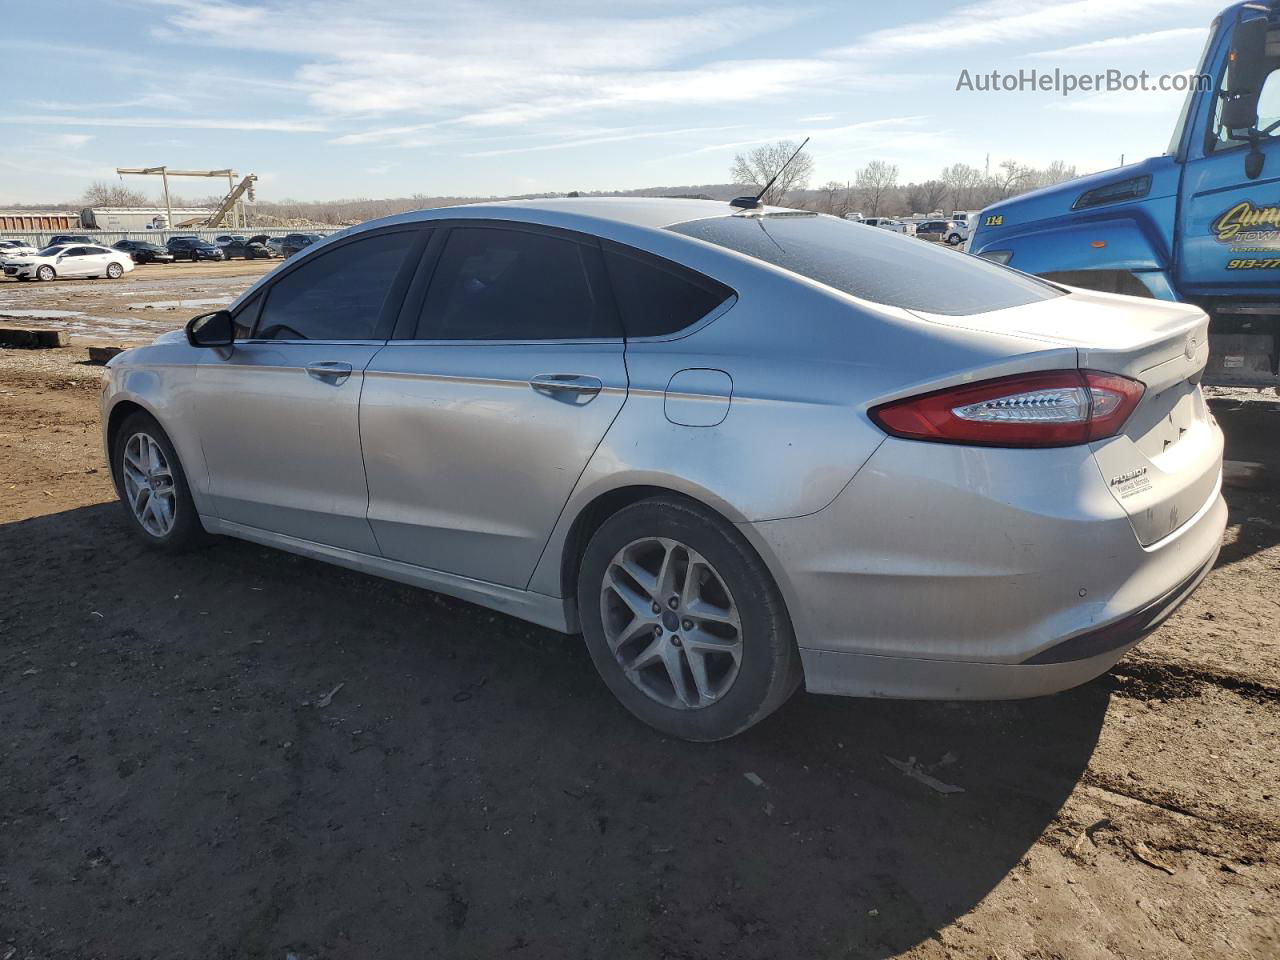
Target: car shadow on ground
x,y
238,752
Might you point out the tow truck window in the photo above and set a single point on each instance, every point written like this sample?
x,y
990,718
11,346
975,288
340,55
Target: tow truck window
x,y
1268,114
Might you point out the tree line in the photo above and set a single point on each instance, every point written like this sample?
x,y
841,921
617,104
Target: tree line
x,y
875,190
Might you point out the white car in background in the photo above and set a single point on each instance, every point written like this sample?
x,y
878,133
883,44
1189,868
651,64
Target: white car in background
x,y
885,223
15,247
70,260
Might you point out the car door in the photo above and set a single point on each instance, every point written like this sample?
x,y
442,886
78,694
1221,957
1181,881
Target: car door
x,y
481,414
278,414
73,262
1230,230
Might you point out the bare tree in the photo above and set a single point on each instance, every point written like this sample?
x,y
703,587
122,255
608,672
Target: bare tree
x,y
1012,178
1056,172
760,165
100,193
962,182
873,182
830,198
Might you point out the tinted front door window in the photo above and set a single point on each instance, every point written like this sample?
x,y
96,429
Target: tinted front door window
x,y
337,295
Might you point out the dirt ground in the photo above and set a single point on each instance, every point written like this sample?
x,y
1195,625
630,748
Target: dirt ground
x,y
238,753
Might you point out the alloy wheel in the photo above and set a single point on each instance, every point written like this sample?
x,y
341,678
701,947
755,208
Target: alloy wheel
x,y
148,485
671,623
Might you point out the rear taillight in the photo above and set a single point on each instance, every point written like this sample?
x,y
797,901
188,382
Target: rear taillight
x,y
1052,409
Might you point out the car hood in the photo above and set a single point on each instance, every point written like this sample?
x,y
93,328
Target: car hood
x,y
28,259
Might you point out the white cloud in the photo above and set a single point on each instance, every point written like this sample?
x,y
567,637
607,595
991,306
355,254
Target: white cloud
x,y
72,140
1126,46
197,123
1010,23
619,137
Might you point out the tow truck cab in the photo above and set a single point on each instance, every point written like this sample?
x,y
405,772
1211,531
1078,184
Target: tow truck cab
x,y
1200,224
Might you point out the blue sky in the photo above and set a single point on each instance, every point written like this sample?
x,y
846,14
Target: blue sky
x,y
332,98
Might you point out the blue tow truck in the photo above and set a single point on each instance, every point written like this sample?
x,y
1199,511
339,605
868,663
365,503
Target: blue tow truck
x,y
1200,224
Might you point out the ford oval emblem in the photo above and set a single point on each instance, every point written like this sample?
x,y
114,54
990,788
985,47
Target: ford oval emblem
x,y
1190,348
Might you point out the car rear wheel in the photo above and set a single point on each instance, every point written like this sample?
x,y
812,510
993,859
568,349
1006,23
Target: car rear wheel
x,y
45,272
114,271
953,239
684,622
153,487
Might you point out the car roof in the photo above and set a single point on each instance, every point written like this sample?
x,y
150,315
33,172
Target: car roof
x,y
581,213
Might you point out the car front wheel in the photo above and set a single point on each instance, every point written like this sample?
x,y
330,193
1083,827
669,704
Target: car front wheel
x,y
114,271
684,622
153,487
45,273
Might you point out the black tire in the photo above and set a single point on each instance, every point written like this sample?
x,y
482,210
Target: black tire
x,y
186,532
45,273
114,271
769,671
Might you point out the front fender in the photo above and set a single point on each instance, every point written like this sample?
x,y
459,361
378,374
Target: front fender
x,y
1113,244
166,392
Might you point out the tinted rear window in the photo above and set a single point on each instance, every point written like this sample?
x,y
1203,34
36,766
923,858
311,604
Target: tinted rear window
x,y
877,265
656,297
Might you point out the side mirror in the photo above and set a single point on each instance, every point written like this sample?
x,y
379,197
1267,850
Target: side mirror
x,y
1246,71
215,329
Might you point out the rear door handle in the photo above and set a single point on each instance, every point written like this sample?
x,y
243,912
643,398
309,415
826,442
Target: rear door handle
x,y
329,371
567,387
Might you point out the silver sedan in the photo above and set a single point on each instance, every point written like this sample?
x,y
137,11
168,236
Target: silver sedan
x,y
739,450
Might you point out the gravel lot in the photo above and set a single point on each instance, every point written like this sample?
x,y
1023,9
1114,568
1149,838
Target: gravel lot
x,y
239,753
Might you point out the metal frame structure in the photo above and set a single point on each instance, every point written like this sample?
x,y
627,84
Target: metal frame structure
x,y
230,204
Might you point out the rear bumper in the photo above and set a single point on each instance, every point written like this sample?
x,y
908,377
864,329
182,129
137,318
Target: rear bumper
x,y
964,573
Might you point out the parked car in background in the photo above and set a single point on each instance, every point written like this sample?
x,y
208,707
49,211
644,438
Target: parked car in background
x,y
144,252
58,239
76,260
223,239
248,248
16,247
585,413
276,245
193,249
941,231
299,241
885,223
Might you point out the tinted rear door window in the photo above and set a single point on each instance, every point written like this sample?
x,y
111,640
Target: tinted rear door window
x,y
877,265
338,294
498,284
657,297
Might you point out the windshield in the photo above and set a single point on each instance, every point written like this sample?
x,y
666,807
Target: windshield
x,y
878,265
52,251
1175,142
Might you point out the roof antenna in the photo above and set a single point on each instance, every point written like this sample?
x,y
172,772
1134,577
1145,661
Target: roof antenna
x,y
753,203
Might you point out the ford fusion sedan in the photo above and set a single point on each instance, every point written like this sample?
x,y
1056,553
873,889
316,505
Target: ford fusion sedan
x,y
78,260
740,451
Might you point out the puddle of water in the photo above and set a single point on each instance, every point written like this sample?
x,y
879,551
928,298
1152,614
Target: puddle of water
x,y
42,314
181,304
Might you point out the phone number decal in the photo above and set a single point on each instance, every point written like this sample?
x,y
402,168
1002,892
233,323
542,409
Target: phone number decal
x,y
1251,264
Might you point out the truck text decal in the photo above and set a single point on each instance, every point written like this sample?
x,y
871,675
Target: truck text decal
x,y
1236,223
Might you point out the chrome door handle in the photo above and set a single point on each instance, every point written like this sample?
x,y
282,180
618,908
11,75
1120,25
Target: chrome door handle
x,y
567,387
329,371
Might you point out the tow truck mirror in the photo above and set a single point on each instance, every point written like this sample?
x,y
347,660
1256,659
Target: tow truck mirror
x,y
1246,71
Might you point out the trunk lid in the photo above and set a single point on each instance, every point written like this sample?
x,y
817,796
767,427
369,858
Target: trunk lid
x,y
1166,464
